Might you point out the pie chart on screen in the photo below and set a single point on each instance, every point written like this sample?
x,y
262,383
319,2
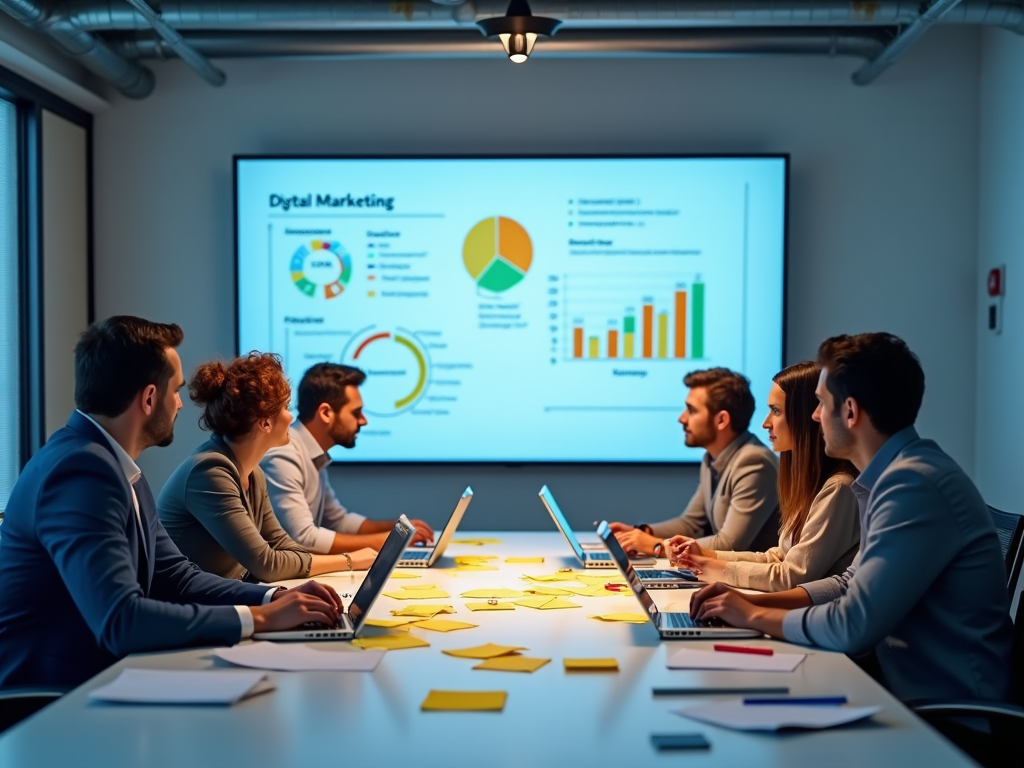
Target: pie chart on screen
x,y
497,253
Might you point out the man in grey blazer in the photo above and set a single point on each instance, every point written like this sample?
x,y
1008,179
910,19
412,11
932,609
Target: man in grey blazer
x,y
736,506
89,574
927,592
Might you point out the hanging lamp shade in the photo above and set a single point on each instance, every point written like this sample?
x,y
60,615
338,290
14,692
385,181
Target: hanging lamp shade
x,y
518,30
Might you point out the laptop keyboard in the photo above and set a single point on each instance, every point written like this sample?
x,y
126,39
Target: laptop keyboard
x,y
416,554
683,621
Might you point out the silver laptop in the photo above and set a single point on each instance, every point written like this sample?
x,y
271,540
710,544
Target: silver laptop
x,y
589,558
670,625
424,557
350,623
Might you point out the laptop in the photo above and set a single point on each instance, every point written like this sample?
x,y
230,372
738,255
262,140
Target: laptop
x,y
350,623
670,625
424,557
589,558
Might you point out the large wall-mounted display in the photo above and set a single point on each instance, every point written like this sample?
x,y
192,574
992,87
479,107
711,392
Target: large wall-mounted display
x,y
516,309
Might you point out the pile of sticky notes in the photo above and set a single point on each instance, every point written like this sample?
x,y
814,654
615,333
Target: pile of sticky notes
x,y
494,605
500,658
443,625
628,618
390,642
524,560
464,701
545,603
474,563
423,611
591,665
418,592
488,651
478,542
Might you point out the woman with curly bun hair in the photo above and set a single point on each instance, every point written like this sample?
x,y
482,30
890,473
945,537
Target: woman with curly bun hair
x,y
215,506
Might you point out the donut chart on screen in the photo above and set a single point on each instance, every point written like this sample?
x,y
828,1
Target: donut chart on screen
x,y
321,267
397,367
497,253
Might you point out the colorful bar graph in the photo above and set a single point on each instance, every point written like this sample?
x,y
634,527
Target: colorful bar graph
x,y
663,334
577,342
594,347
680,346
648,330
628,336
697,321
613,343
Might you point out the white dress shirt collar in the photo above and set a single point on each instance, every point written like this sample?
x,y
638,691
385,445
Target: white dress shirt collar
x,y
128,466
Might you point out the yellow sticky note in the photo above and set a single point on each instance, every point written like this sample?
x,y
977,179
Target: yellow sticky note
x,y
591,665
388,623
476,568
548,591
480,542
545,603
629,618
495,593
423,611
416,587
473,559
594,580
524,560
489,607
512,664
390,642
464,701
488,651
417,594
551,577
400,575
443,625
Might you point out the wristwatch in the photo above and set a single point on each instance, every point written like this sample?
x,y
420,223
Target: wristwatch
x,y
658,549
348,559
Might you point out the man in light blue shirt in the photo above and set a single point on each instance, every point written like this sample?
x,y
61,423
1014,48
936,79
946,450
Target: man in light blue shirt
x,y
330,414
927,592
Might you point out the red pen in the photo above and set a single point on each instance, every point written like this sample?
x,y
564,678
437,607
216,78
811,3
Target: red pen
x,y
614,587
744,649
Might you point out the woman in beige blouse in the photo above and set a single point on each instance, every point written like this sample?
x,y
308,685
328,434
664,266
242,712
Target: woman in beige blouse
x,y
820,522
215,506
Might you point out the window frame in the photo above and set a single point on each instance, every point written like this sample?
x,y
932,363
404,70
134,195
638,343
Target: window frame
x,y
30,100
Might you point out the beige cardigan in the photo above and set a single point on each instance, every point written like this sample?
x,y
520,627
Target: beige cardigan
x,y
828,544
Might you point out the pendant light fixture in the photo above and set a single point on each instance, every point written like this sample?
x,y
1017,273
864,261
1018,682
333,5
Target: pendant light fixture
x,y
518,29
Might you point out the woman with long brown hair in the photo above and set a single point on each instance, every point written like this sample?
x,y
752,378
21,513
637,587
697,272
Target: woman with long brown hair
x,y
215,505
820,525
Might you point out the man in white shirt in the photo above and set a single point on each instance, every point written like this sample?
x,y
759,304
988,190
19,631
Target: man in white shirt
x,y
330,414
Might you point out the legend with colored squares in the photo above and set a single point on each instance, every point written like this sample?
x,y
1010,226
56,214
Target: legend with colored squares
x,y
321,267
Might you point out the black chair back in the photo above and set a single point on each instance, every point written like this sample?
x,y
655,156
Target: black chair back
x,y
1009,529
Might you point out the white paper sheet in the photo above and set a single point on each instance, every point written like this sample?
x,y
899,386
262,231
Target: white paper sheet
x,y
163,686
298,657
749,662
767,717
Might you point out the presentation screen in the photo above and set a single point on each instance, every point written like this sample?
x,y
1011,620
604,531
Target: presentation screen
x,y
516,309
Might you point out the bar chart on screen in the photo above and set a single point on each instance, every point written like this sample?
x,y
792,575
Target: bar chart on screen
x,y
648,317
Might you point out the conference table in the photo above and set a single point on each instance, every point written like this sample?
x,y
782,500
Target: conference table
x,y
551,717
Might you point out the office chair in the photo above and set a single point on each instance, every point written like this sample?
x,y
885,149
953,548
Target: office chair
x,y
1009,529
1001,746
17,703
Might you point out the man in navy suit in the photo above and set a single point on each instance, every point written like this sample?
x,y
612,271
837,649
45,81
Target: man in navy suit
x,y
87,572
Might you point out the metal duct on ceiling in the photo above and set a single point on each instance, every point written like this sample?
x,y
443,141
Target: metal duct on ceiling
x,y
864,44
279,15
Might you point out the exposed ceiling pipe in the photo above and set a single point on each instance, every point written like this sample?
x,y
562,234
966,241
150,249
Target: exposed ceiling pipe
x,y
129,77
278,15
865,43
903,41
185,52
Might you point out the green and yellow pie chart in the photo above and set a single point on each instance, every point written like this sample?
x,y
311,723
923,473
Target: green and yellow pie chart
x,y
497,253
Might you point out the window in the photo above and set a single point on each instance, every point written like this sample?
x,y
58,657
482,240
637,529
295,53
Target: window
x,y
10,326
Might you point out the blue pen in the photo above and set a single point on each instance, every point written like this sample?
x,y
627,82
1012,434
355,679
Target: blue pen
x,y
819,701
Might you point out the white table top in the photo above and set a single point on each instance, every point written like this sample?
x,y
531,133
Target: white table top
x,y
551,718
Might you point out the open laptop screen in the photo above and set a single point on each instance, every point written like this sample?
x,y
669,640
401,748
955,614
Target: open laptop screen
x,y
622,561
381,569
452,524
563,525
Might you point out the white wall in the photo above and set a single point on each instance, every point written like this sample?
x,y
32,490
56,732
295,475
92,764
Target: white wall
x,y
65,217
883,215
1000,387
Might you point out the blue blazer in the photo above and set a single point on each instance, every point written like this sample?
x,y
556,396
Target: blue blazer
x,y
81,585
